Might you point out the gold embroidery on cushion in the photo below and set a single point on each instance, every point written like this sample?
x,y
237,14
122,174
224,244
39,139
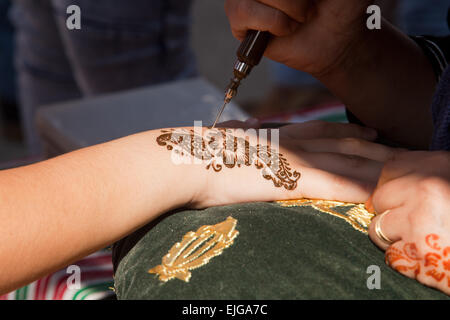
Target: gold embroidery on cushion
x,y
195,250
357,216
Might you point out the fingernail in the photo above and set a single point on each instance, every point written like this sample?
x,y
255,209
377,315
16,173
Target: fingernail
x,y
369,206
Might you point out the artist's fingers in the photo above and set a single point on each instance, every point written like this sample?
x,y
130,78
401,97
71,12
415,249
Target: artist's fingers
x,y
395,168
319,184
317,129
346,165
392,194
350,146
249,123
410,166
250,14
297,10
391,224
405,162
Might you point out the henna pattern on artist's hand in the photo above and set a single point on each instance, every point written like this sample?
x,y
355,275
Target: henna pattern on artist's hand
x,y
222,148
433,263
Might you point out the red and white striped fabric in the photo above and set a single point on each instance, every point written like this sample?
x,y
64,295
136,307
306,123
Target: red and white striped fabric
x,y
96,282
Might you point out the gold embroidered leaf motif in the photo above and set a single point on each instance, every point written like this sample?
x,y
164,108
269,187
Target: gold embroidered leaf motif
x,y
357,216
195,250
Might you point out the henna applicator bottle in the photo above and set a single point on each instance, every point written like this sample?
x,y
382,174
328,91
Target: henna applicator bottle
x,y
249,54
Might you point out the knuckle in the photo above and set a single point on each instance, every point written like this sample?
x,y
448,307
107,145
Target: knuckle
x,y
432,185
299,11
415,219
354,129
243,9
350,144
391,164
420,222
279,23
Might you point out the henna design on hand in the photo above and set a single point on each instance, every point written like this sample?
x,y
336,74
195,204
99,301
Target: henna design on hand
x,y
435,263
222,148
438,276
432,259
431,239
409,263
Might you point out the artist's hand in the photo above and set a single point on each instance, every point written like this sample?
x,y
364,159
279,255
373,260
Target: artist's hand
x,y
415,188
312,36
335,161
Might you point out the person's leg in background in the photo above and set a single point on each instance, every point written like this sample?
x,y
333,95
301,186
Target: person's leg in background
x,y
44,73
121,45
127,44
8,106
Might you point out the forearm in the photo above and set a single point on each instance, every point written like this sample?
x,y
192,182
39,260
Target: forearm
x,y
57,211
388,83
60,210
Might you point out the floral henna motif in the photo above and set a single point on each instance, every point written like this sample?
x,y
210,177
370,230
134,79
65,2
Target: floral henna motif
x,y
221,148
446,265
432,259
408,262
410,250
436,263
436,260
438,276
430,240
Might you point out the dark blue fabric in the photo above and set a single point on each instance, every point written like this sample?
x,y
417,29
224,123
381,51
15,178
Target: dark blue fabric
x,y
441,114
120,46
7,79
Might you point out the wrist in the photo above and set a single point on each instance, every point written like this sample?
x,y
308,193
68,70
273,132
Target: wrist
x,y
354,57
385,74
186,178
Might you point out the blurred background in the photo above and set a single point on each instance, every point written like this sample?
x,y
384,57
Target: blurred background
x,y
272,91
89,78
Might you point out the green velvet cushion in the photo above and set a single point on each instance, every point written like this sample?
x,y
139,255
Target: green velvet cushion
x,y
280,253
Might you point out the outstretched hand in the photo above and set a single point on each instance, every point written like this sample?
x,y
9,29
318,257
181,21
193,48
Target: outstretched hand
x,y
335,161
